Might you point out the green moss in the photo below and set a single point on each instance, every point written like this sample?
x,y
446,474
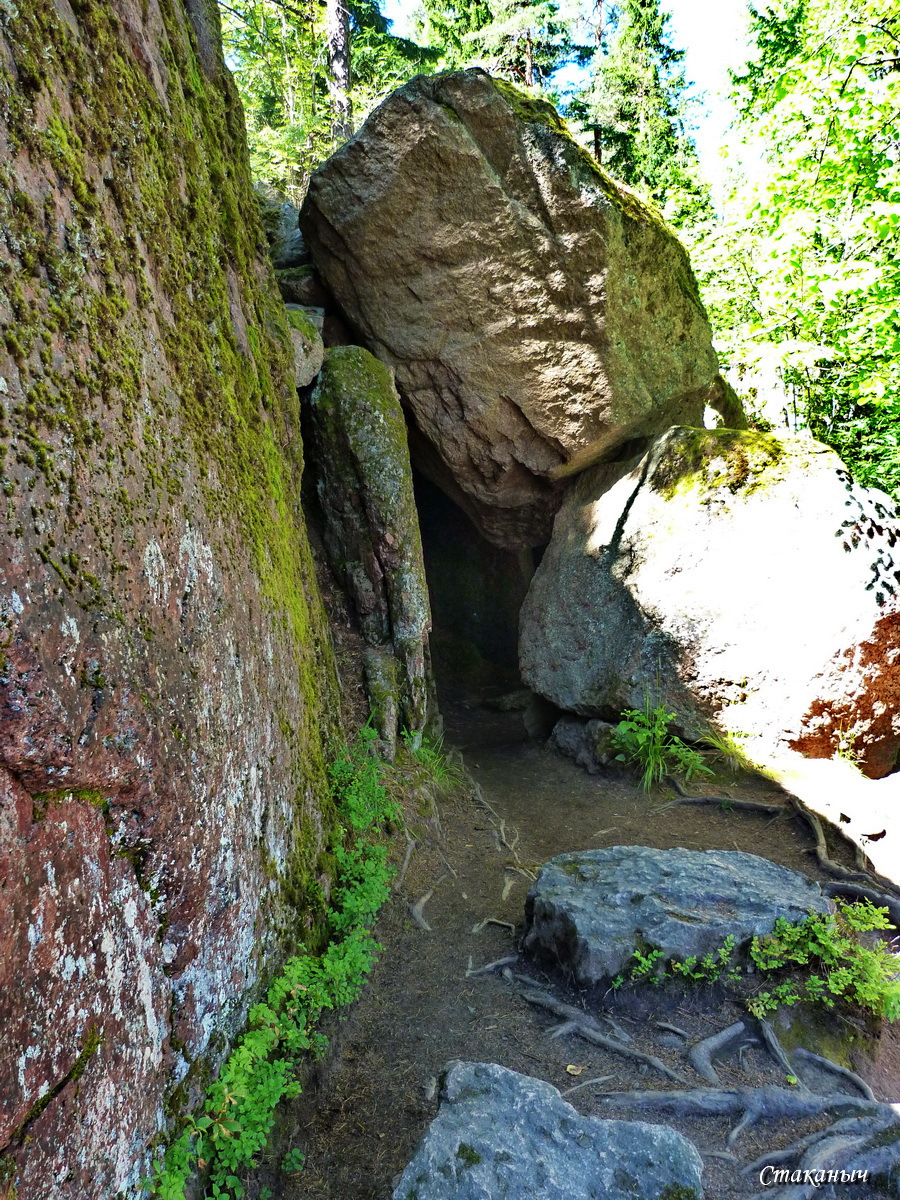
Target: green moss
x,y
741,461
677,1191
468,1155
534,111
92,1043
135,400
42,802
301,321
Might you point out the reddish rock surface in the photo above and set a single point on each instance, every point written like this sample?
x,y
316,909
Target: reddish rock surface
x,y
164,695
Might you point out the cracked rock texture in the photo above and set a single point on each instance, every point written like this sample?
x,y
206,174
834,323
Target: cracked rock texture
x,y
165,696
537,314
501,1134
359,460
589,911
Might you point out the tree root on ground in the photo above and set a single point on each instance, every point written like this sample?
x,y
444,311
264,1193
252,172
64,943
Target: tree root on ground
x,y
754,806
756,1104
700,1056
415,911
585,1026
852,1125
855,891
587,1083
776,1049
836,1069
491,966
863,875
411,845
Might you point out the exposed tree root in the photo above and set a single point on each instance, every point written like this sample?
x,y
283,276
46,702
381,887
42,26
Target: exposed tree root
x,y
672,1029
863,876
569,1012
777,1051
415,911
585,1027
491,966
411,846
836,1069
587,1083
494,921
754,806
848,1125
755,1104
857,891
700,1056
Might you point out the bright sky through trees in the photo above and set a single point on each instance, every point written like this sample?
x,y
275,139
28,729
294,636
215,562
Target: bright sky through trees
x,y
713,34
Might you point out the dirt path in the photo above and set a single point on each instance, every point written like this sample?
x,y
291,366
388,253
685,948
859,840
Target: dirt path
x,y
360,1122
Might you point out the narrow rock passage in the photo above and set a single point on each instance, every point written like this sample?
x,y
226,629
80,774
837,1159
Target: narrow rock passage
x,y
361,1123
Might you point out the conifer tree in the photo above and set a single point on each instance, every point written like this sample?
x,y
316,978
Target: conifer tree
x,y
636,105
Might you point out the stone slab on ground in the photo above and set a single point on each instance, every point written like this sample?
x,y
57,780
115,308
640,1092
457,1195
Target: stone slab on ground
x,y
499,1134
589,910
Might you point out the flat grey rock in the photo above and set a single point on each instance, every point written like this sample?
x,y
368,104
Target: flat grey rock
x,y
499,1135
588,911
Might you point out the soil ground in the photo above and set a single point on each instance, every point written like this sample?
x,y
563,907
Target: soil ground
x,y
366,1107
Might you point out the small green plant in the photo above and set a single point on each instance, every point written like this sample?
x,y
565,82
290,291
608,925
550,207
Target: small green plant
x,y
727,748
642,737
846,746
429,754
233,1127
716,965
293,1162
647,966
822,958
832,960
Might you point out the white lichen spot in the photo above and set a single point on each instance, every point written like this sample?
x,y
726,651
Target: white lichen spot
x,y
69,627
15,603
155,572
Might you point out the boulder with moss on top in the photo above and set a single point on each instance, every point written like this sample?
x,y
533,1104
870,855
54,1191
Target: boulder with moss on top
x,y
739,579
357,453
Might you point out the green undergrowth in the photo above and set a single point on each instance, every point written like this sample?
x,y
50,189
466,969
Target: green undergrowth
x,y
231,1129
644,740
824,959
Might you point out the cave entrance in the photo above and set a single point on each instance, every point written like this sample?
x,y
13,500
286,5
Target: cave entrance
x,y
476,590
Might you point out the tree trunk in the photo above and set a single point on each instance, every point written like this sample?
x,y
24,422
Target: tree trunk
x,y
529,60
338,33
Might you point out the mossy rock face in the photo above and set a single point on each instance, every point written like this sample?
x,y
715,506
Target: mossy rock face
x,y
359,459
536,312
168,695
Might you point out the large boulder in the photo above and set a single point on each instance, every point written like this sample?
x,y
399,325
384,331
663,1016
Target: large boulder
x,y
739,578
536,312
359,460
590,910
166,683
499,1133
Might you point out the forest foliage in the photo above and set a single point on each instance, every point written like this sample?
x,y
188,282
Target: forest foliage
x,y
799,260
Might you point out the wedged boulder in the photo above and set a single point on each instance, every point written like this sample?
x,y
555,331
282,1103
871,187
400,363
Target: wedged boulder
x,y
589,911
358,456
305,327
287,248
590,743
739,578
499,1133
536,312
